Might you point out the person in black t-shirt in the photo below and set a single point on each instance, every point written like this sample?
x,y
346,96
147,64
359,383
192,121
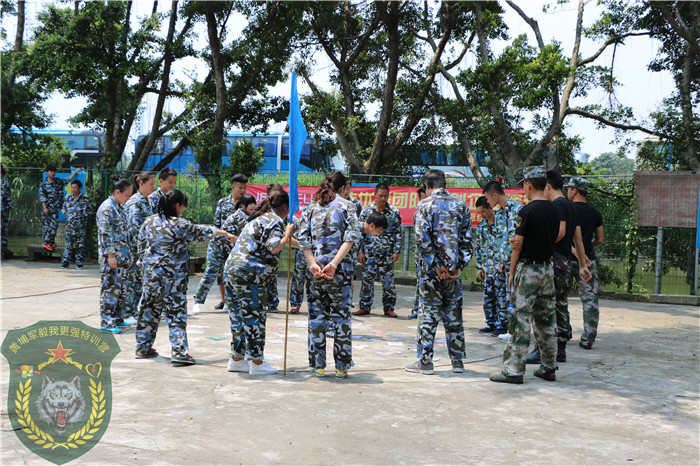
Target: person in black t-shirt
x,y
591,225
569,233
532,283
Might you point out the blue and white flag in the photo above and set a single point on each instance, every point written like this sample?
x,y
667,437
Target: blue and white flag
x,y
297,136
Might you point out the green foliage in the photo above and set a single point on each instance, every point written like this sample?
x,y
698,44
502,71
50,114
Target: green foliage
x,y
32,150
245,158
613,163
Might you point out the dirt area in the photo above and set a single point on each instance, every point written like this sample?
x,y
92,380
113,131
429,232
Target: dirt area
x,y
633,399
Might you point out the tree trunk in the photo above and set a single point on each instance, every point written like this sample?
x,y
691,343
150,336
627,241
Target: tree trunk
x,y
690,155
19,45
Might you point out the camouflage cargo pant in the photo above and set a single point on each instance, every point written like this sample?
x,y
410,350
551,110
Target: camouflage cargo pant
x,y
4,224
247,316
588,292
49,225
299,277
329,304
533,297
441,300
416,299
75,246
112,295
503,297
164,291
562,285
273,298
495,301
380,267
216,259
134,290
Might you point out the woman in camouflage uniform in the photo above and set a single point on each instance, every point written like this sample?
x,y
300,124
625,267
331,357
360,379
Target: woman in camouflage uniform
x,y
113,247
250,267
164,250
138,209
327,232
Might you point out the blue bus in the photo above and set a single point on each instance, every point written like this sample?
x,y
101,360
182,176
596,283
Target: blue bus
x,y
86,147
275,151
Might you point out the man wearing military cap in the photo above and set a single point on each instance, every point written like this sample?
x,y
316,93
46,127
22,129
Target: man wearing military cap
x,y
591,222
531,280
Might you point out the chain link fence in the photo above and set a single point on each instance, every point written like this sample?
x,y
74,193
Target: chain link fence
x,y
626,259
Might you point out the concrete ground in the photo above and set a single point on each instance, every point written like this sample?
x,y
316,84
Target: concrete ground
x,y
633,399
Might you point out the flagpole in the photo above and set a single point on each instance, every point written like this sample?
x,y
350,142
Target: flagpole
x,y
286,318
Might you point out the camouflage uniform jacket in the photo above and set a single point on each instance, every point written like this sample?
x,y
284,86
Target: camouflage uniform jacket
x,y
505,220
443,232
154,198
113,232
224,208
486,243
138,209
77,211
234,224
6,194
52,193
250,260
389,242
357,203
164,243
323,229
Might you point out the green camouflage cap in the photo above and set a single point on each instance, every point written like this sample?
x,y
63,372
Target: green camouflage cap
x,y
578,183
538,171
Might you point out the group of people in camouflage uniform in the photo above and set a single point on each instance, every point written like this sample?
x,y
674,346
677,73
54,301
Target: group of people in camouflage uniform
x,y
526,257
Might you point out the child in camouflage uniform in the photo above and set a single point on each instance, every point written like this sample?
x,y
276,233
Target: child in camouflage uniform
x,y
138,209
250,267
114,251
167,179
77,208
164,249
51,194
378,255
420,193
327,232
486,238
444,244
219,248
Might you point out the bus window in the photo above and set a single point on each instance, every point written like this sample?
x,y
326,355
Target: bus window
x,y
269,146
285,148
92,142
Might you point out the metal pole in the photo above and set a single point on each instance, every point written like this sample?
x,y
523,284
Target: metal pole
x,y
695,290
697,245
406,246
659,254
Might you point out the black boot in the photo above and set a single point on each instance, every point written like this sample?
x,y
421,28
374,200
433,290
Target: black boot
x,y
561,351
534,357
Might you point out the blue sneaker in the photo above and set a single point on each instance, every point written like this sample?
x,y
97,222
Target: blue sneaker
x,y
124,324
498,331
110,329
413,315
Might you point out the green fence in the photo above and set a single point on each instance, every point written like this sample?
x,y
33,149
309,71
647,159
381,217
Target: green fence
x,y
626,259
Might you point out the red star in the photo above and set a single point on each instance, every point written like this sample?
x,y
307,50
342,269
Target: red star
x,y
59,353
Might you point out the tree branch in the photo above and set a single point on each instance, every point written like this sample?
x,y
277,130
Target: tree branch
x,y
605,121
678,25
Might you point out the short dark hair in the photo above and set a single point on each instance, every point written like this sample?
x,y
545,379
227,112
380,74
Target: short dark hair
x,y
483,202
78,182
239,178
420,191
166,173
492,186
582,192
50,168
538,183
555,180
378,220
245,201
434,178
381,186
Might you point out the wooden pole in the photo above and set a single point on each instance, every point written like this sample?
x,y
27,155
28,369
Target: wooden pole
x,y
286,318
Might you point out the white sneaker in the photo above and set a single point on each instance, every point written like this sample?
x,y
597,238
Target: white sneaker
x,y
238,366
196,309
262,369
131,321
225,309
504,336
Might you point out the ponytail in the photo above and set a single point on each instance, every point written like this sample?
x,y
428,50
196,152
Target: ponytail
x,y
328,188
141,178
166,205
120,184
276,200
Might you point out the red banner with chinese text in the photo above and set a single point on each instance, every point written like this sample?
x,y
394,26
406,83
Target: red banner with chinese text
x,y
403,198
